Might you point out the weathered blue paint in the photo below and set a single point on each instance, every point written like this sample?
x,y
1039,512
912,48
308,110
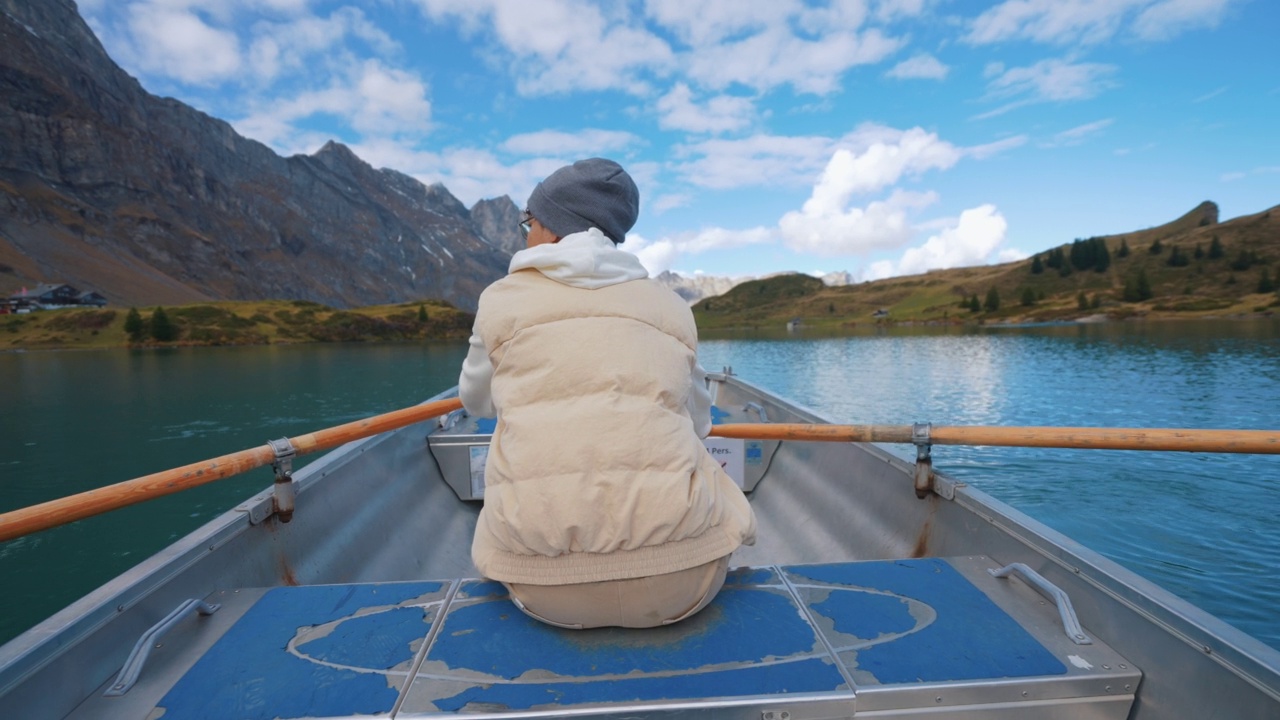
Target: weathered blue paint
x,y
811,675
742,625
718,416
249,674
485,426
752,576
971,638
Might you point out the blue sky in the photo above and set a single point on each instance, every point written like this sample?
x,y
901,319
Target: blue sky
x,y
879,137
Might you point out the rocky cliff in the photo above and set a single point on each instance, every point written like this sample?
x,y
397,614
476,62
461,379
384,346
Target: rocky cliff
x,y
147,200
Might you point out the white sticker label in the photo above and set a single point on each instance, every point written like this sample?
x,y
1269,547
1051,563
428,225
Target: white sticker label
x,y
729,453
479,455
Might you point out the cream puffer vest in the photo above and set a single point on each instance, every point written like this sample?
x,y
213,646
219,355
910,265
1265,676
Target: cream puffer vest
x,y
595,471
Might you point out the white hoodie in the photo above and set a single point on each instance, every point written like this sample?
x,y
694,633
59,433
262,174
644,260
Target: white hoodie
x,y
587,260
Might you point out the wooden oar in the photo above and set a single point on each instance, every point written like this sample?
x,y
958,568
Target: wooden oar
x,y
131,492
1217,441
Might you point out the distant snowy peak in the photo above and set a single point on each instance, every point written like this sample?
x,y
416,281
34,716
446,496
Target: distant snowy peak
x,y
839,278
696,287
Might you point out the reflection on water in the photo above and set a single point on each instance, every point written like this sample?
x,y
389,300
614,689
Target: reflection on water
x,y
1201,525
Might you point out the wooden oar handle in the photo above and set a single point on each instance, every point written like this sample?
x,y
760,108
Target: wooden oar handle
x,y
1265,442
131,492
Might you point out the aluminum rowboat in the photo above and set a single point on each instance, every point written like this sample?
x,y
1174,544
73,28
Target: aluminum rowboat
x,y
858,600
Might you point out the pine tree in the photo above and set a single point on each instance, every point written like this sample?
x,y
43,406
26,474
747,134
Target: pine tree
x,y
1177,258
1244,260
133,325
1096,302
1199,252
1137,289
422,314
1144,287
993,300
1123,252
974,305
1028,297
162,328
1215,249
1036,266
1082,301
1156,248
1101,256
1265,284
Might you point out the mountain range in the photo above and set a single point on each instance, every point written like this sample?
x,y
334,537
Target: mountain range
x,y
148,201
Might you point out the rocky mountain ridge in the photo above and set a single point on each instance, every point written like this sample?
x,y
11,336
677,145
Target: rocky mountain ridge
x,y
147,200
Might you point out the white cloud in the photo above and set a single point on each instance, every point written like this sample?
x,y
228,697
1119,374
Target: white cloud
x,y
558,46
723,113
755,160
972,240
923,67
372,98
881,164
1078,134
1063,22
1168,19
662,254
712,21
588,141
826,231
177,43
303,43
777,56
975,236
780,160
1046,81
890,10
670,201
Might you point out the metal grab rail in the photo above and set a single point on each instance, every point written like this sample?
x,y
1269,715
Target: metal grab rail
x,y
1070,623
132,667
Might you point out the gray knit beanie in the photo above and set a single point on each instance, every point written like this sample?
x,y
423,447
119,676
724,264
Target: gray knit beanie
x,y
589,193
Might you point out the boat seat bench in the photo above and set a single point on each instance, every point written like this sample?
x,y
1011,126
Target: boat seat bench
x,y
904,638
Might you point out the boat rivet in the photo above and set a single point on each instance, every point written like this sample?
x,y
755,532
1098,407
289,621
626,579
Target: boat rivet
x,y
1128,687
1024,693
210,548
938,699
1208,650
1108,688
119,608
159,645
1104,667
1123,666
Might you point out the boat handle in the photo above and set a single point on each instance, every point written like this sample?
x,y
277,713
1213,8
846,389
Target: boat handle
x,y
142,649
1070,623
764,415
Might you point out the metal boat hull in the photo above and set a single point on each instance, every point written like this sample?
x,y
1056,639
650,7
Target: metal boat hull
x,y
378,510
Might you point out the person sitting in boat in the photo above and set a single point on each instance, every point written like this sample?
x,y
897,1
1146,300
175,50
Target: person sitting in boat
x,y
602,507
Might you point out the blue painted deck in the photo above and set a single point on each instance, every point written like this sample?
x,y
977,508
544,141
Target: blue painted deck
x,y
820,630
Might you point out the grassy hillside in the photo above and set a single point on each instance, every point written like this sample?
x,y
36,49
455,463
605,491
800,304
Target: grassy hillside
x,y
235,323
1169,271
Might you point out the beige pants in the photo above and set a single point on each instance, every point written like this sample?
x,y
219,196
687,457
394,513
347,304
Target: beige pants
x,y
634,603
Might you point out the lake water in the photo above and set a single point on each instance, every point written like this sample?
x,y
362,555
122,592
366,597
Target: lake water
x,y
1201,525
